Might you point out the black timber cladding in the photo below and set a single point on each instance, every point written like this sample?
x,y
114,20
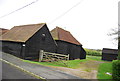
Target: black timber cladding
x,y
67,44
41,40
29,49
109,54
75,51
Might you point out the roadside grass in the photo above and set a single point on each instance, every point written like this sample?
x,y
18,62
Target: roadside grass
x,y
103,69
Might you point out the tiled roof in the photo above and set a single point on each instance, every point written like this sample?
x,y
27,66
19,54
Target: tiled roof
x,y
61,34
2,31
21,33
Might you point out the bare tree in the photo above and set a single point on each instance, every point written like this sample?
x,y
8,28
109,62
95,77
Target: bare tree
x,y
117,32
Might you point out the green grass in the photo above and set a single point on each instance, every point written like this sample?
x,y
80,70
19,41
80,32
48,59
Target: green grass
x,y
70,63
97,58
103,68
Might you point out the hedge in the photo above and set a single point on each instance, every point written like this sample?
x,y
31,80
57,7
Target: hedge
x,y
116,70
93,52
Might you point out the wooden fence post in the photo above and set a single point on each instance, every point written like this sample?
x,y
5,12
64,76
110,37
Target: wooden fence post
x,y
41,55
68,57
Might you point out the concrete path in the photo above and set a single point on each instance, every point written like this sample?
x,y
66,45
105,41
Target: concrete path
x,y
39,70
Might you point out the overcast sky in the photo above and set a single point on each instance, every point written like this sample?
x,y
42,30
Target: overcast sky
x,y
90,21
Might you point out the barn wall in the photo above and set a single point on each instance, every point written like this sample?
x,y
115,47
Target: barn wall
x,y
13,48
109,54
68,48
109,57
83,54
38,42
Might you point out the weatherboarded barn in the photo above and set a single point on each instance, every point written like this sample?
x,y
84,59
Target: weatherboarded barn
x,y
27,40
67,44
109,54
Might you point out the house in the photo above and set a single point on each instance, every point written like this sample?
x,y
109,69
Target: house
x,y
26,41
109,54
67,44
2,31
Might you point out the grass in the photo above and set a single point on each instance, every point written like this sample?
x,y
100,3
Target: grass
x,y
103,68
96,58
69,64
93,52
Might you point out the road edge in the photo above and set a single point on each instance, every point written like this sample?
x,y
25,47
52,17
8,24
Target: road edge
x,y
32,74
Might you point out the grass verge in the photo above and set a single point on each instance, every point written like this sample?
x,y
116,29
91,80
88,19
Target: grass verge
x,y
69,64
103,69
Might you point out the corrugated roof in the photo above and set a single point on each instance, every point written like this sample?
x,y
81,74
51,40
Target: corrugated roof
x,y
21,33
61,34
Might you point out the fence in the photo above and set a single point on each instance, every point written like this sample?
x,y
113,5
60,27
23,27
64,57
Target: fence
x,y
52,56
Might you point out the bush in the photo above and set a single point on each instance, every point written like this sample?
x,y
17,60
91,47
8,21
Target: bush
x,y
116,70
93,52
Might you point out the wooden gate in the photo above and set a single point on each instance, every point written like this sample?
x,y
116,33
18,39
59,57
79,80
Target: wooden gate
x,y
52,56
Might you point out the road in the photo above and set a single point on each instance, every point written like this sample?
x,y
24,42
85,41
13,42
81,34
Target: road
x,y
11,72
38,70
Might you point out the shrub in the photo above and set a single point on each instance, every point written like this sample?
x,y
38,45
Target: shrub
x,y
116,70
93,52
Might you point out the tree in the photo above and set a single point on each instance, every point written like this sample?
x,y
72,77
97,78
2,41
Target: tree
x,y
117,32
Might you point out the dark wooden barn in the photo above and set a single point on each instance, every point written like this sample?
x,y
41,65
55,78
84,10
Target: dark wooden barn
x,y
27,40
109,54
67,44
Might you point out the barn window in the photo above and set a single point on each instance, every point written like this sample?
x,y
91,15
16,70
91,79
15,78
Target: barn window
x,y
43,36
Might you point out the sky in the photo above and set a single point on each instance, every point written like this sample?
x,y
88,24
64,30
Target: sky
x,y
89,21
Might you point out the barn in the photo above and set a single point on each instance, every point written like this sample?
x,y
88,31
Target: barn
x,y
26,41
109,54
67,44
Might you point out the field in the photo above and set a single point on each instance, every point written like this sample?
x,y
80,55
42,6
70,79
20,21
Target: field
x,y
90,68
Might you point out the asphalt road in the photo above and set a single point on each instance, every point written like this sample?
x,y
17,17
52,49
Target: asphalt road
x,y
11,72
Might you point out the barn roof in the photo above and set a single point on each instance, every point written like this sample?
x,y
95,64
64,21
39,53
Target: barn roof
x,y
2,31
110,51
61,34
21,33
